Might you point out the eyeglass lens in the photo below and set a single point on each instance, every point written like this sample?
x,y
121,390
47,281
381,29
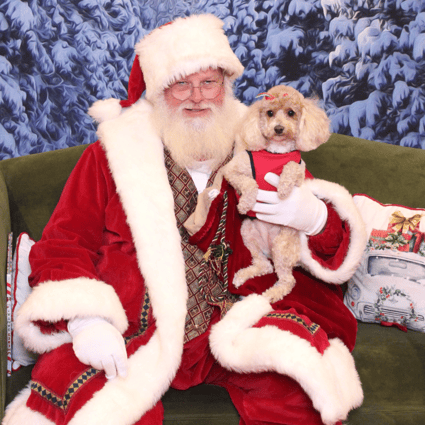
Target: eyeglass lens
x,y
182,90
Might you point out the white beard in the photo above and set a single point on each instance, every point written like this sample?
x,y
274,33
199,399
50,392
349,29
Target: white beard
x,y
190,140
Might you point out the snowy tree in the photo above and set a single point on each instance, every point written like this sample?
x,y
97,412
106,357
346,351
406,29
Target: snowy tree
x,y
379,91
58,58
364,59
278,43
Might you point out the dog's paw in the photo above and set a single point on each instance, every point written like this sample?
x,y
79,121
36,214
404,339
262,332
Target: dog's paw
x,y
247,201
243,207
272,295
280,289
284,190
292,175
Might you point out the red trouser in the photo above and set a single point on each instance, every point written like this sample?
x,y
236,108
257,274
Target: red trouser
x,y
260,398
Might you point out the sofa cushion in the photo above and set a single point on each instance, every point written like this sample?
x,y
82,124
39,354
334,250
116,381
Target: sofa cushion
x,y
389,285
18,289
391,365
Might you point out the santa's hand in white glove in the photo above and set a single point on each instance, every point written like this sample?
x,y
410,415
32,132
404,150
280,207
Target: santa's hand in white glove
x,y
99,344
301,210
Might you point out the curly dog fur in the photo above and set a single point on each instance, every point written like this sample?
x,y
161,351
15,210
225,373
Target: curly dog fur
x,y
283,121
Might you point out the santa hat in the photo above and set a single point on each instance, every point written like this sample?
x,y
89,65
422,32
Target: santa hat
x,y
185,46
177,49
172,51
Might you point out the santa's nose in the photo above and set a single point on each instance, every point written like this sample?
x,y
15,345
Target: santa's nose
x,y
279,129
196,95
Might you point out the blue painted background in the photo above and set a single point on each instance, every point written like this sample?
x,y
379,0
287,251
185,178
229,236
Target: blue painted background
x,y
363,58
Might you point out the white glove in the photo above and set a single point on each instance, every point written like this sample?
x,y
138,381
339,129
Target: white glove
x,y
99,344
301,210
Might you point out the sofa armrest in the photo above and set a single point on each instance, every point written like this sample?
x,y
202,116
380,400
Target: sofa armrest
x,y
30,187
5,227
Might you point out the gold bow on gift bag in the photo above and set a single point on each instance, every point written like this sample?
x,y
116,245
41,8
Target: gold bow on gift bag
x,y
403,224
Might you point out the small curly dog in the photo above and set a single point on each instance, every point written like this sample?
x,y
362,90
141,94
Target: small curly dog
x,y
274,131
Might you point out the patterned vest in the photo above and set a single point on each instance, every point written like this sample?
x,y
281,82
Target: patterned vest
x,y
199,310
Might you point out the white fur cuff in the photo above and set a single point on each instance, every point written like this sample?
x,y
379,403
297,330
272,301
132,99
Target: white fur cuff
x,y
330,380
54,301
344,205
17,413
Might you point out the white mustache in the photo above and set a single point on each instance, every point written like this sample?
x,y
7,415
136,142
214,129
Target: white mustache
x,y
193,105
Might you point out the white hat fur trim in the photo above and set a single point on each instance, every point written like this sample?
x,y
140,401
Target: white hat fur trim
x,y
104,110
330,380
185,46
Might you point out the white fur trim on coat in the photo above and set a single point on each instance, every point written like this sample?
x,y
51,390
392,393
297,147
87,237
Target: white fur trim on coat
x,y
330,380
185,46
17,413
136,160
344,205
54,301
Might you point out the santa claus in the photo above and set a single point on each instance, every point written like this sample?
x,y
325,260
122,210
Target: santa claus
x,y
126,303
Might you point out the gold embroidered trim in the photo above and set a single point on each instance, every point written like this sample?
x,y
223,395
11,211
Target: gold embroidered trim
x,y
312,328
63,403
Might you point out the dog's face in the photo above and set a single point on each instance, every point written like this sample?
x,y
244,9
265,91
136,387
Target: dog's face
x,y
284,120
280,117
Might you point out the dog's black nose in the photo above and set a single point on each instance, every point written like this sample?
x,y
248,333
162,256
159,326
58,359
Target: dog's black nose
x,y
279,129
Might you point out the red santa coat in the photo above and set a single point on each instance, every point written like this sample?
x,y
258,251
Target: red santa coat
x,y
120,239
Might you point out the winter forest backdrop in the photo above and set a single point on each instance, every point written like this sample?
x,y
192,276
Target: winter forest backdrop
x,y
363,58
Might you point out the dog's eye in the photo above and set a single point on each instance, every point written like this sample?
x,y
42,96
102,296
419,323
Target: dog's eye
x,y
270,113
291,113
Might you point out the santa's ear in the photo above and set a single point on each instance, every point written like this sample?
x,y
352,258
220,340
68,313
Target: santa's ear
x,y
314,126
249,135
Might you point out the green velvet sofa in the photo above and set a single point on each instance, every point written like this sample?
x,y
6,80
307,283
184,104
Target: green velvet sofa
x,y
391,363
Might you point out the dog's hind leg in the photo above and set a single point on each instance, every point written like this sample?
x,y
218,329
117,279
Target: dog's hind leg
x,y
254,241
285,254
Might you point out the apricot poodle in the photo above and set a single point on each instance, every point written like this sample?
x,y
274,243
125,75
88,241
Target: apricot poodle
x,y
275,130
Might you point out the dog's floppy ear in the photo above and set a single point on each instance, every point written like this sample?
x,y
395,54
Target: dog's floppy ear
x,y
249,135
314,126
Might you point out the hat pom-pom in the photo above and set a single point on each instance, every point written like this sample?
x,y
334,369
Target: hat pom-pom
x,y
104,110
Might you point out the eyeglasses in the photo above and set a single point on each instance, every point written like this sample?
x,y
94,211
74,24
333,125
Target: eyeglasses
x,y
182,90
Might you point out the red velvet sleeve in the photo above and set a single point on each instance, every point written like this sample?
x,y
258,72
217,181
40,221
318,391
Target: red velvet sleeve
x,y
330,246
70,242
